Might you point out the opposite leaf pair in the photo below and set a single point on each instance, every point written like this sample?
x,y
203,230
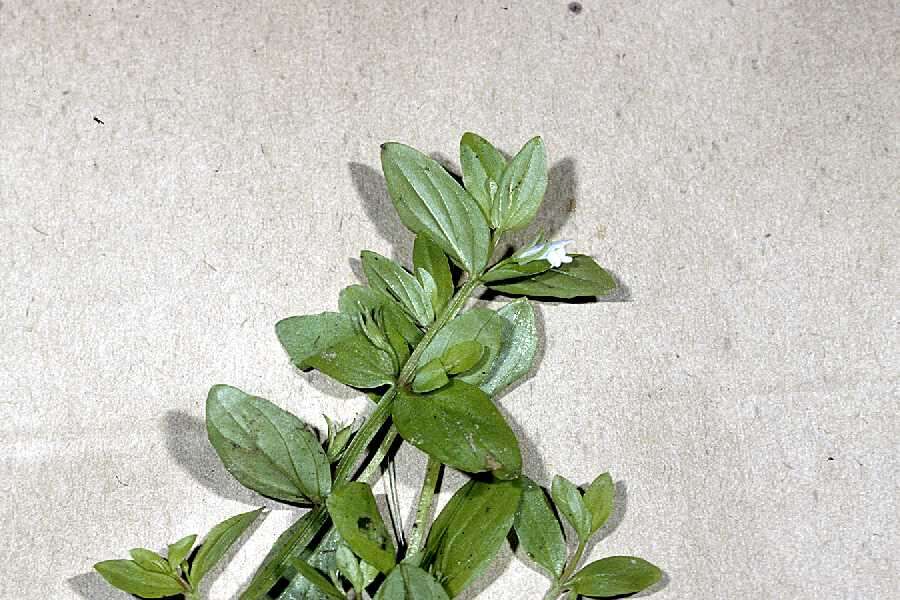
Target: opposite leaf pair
x,y
150,575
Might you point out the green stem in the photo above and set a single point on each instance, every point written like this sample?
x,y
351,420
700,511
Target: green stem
x,y
556,589
318,516
423,508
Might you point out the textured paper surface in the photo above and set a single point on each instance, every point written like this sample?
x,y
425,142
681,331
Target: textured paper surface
x,y
178,176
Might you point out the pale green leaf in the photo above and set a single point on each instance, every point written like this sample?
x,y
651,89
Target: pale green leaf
x,y
599,498
614,576
570,504
517,348
218,541
430,376
580,278
482,167
481,325
407,582
180,550
428,256
539,531
130,577
397,283
521,188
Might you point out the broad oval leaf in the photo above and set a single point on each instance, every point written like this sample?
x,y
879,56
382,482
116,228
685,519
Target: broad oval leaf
x,y
481,325
430,202
150,560
599,498
267,449
580,278
355,515
391,279
539,531
482,167
521,188
330,343
459,426
614,576
130,577
217,543
467,534
428,256
407,582
518,347
568,501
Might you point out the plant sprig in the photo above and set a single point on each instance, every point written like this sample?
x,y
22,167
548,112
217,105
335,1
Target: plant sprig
x,y
432,369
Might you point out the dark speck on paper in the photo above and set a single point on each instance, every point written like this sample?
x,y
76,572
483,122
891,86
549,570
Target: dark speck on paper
x,y
575,8
97,120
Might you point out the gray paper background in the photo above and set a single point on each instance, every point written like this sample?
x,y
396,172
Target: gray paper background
x,y
734,163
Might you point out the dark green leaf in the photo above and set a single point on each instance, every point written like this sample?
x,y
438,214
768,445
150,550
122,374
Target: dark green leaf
x,y
150,560
580,278
391,279
570,504
407,582
521,188
130,577
469,531
428,256
539,531
482,167
331,343
355,515
338,438
598,498
180,550
266,448
432,203
614,576
463,356
430,376
217,543
481,325
459,426
315,577
517,349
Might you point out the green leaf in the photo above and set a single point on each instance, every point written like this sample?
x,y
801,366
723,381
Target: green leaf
x,y
217,543
338,438
150,560
408,582
330,343
521,188
481,325
356,300
482,167
599,498
539,530
510,269
570,504
355,515
317,578
130,577
348,565
614,576
469,531
430,202
462,357
430,376
580,278
267,449
394,281
180,550
275,562
517,349
428,256
459,426
322,557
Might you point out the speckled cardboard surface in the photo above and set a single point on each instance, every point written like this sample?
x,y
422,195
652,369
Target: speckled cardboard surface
x,y
176,176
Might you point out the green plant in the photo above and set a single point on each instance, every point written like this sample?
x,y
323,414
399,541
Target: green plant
x,y
432,369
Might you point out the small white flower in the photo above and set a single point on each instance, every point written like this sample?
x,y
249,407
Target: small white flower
x,y
552,252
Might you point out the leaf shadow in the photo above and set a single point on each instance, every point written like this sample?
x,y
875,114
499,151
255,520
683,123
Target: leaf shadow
x,y
187,443
372,189
92,586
